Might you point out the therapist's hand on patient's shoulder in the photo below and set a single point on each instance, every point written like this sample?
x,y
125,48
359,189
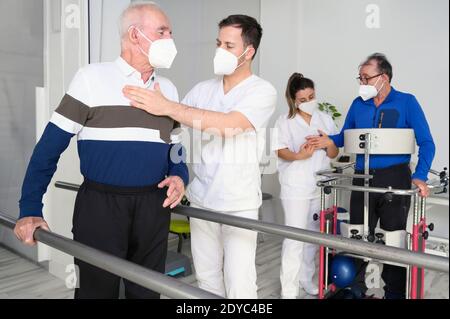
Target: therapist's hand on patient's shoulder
x,y
175,191
423,187
26,227
151,101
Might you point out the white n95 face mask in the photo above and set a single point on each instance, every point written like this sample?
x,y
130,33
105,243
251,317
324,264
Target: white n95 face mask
x,y
161,53
309,107
367,92
225,62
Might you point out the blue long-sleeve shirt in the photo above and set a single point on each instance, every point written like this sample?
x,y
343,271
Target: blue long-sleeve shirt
x,y
118,145
399,110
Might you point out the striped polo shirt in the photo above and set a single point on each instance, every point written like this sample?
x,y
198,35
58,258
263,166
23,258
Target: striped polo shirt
x,y
118,145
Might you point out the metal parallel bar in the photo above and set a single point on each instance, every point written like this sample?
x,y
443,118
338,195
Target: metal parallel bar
x,y
341,168
376,251
75,187
333,175
352,246
437,173
327,180
352,176
434,172
144,277
352,188
67,186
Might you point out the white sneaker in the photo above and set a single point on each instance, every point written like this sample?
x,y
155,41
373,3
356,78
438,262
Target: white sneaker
x,y
310,288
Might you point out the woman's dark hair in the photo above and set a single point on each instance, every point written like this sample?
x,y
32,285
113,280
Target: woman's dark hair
x,y
297,82
251,30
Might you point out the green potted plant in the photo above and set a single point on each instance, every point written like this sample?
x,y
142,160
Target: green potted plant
x,y
330,109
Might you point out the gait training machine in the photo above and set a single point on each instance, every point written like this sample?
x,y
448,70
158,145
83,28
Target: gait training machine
x,y
369,142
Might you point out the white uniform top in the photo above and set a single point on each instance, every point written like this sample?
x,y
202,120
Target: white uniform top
x,y
226,170
297,179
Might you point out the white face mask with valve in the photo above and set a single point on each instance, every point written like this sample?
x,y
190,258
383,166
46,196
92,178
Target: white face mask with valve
x,y
310,107
367,92
161,53
226,63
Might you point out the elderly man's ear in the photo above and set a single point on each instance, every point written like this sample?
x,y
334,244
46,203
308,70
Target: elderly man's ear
x,y
133,35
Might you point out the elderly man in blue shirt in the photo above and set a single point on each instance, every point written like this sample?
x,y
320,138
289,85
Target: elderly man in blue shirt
x,y
381,106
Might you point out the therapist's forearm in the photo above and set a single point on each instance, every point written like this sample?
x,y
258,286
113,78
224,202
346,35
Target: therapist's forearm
x,y
214,122
332,151
289,156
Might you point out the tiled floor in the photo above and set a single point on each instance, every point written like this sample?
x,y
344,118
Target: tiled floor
x,y
22,279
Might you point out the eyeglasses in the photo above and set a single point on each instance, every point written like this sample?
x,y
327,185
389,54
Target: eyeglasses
x,y
365,80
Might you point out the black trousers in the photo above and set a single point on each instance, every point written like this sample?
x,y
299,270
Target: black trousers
x,y
129,223
392,215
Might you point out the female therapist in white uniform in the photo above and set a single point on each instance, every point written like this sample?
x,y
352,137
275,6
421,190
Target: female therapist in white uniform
x,y
297,167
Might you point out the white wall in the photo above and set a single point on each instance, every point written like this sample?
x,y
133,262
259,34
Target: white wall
x,y
21,70
66,51
278,60
104,29
49,46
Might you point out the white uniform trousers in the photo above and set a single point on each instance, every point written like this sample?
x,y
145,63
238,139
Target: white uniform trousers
x,y
224,257
298,258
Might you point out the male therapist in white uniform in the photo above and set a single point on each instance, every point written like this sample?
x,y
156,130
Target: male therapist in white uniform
x,y
234,110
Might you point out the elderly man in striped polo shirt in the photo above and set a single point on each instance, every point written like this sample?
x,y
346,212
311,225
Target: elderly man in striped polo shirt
x,y
131,179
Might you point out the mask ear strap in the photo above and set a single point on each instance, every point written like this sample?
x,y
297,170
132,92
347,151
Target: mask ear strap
x,y
378,80
246,50
142,33
242,56
381,86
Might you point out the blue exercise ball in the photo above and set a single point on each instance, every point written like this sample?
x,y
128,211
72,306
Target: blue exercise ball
x,y
343,271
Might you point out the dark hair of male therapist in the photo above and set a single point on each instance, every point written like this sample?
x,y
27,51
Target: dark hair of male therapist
x,y
251,30
388,109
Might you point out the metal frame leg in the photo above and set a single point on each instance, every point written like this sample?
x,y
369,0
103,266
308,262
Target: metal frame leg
x,y
422,246
415,247
322,265
328,225
366,184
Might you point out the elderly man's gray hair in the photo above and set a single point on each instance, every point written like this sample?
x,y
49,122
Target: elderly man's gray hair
x,y
383,64
128,18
